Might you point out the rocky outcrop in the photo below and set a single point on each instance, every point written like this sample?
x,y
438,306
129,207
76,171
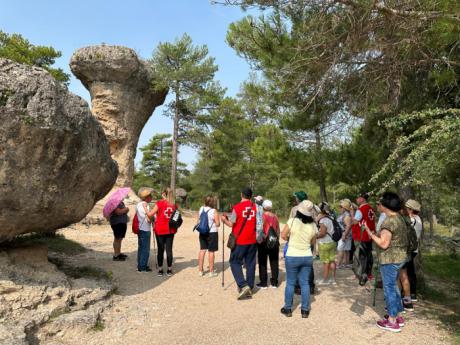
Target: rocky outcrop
x,y
38,302
54,157
122,96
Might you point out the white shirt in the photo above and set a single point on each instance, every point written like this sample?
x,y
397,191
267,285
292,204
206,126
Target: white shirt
x,y
418,226
329,230
144,224
380,221
211,213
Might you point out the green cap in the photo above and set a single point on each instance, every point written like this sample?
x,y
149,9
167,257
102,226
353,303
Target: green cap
x,y
301,195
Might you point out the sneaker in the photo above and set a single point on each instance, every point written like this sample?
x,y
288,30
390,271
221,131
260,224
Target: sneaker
x,y
123,255
245,292
148,269
388,326
332,282
140,271
408,306
200,273
213,274
160,273
169,273
322,282
119,258
274,286
286,312
261,286
399,320
304,313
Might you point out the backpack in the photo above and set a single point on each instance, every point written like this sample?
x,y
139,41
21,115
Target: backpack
x,y
338,231
135,225
412,243
203,226
176,220
272,238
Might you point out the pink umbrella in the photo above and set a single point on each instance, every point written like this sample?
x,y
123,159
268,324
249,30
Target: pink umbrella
x,y
114,200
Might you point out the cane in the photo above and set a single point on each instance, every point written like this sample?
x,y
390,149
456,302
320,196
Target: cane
x,y
223,251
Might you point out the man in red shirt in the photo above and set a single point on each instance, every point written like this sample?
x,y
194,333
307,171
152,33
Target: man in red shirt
x,y
364,215
243,224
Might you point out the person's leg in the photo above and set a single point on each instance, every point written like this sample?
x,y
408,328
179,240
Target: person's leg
x,y
211,261
262,260
201,255
139,251
161,250
390,289
404,279
412,276
304,273
236,263
116,246
144,252
291,279
169,250
213,246
274,258
370,259
250,262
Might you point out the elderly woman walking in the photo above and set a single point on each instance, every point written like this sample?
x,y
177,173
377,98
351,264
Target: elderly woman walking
x,y
301,232
344,245
392,244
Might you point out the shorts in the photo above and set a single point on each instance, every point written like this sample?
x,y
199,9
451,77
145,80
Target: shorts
x,y
209,242
119,230
344,245
327,252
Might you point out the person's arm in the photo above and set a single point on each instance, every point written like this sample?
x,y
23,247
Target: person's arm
x,y
121,210
216,218
285,232
383,240
152,212
347,222
231,221
357,217
313,241
322,231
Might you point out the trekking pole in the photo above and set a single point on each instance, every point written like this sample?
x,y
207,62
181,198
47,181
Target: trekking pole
x,y
223,251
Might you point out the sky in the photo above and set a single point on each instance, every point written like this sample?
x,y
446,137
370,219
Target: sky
x,y
137,24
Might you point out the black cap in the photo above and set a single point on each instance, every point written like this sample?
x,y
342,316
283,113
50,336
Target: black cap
x,y
247,192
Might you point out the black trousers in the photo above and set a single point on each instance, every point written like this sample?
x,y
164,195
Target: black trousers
x,y
165,242
273,255
365,256
410,267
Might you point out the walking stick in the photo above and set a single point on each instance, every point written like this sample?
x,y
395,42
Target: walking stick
x,y
223,251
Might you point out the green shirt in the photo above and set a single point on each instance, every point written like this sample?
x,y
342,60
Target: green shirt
x,y
397,251
300,236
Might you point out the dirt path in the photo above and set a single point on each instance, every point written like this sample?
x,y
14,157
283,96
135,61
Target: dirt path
x,y
188,309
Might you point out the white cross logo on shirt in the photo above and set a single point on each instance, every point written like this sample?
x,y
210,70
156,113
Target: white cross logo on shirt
x,y
168,212
251,214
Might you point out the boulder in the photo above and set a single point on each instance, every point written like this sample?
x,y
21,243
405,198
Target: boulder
x,y
54,157
123,98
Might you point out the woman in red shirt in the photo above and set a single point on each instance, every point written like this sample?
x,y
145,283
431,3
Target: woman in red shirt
x,y
269,220
164,235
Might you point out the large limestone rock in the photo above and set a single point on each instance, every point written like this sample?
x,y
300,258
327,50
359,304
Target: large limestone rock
x,y
122,98
54,157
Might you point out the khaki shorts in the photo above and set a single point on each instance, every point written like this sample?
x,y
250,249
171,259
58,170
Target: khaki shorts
x,y
327,252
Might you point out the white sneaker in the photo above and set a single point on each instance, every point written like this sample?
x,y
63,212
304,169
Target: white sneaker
x,y
201,273
332,282
213,274
322,282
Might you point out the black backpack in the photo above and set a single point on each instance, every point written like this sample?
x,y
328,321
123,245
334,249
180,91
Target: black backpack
x,y
272,238
176,220
338,231
412,243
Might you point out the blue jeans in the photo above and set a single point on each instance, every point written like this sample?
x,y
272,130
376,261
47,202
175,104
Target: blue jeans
x,y
244,254
143,249
298,268
390,274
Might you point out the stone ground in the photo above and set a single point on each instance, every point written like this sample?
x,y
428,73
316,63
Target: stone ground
x,y
188,309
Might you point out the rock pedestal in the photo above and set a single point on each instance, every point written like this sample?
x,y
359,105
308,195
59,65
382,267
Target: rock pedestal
x,y
122,96
54,157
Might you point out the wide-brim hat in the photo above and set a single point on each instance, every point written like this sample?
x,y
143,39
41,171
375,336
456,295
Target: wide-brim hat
x,y
306,208
413,205
346,204
145,192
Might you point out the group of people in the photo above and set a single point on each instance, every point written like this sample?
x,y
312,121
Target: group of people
x,y
310,229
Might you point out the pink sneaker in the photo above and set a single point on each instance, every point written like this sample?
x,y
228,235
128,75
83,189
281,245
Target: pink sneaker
x,y
388,326
399,320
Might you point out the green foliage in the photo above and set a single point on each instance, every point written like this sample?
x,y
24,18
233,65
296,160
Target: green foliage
x,y
17,48
444,267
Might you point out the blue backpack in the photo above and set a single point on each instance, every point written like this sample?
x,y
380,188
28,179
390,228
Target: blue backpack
x,y
203,226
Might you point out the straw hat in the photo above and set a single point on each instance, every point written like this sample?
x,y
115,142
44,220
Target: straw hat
x,y
306,207
346,204
413,205
145,192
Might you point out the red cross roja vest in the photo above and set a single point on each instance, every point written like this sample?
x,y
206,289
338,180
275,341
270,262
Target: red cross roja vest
x,y
248,235
165,211
369,219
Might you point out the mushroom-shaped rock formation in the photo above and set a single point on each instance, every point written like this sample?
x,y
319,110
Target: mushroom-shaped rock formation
x,y
122,98
54,157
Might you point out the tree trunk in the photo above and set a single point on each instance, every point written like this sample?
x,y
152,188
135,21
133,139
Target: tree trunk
x,y
175,148
321,172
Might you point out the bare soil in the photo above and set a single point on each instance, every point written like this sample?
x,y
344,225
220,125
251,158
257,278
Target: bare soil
x,y
188,309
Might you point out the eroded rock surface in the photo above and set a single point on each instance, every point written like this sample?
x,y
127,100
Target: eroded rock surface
x,y
39,303
54,157
122,98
